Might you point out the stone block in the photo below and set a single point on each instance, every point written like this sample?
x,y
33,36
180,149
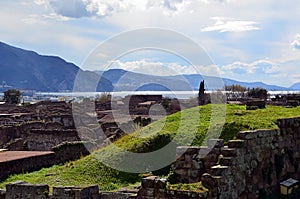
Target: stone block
x,y
197,165
148,182
242,135
2,194
160,184
194,173
22,190
188,157
236,143
181,172
191,150
226,161
229,152
183,164
203,151
66,192
247,135
113,195
209,181
160,193
150,192
215,143
91,192
218,170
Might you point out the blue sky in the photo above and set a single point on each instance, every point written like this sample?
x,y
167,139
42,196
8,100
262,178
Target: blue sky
x,y
246,40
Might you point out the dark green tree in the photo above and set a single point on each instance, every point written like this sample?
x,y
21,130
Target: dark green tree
x,y
235,88
201,96
12,96
260,93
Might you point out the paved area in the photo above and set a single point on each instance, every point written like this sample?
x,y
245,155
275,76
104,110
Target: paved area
x,y
6,156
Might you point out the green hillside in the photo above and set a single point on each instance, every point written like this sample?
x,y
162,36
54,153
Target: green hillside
x,y
182,126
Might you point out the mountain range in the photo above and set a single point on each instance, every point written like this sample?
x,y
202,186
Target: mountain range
x,y
130,81
27,70
23,69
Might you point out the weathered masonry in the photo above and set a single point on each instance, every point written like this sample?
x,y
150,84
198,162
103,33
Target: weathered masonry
x,y
252,165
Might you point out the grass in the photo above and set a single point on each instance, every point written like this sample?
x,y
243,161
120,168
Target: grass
x,y
187,127
194,187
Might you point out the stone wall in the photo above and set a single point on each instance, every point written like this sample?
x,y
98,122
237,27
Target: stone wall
x,y
10,133
69,151
44,140
248,167
65,119
62,153
28,164
22,190
154,187
196,161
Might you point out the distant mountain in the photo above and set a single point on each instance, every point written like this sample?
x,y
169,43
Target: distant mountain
x,y
23,69
195,79
130,81
295,87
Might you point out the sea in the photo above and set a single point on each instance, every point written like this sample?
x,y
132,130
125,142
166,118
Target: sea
x,y
54,96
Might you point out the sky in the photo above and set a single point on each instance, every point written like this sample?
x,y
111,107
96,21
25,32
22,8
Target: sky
x,y
247,40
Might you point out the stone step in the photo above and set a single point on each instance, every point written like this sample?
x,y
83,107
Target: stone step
x,y
229,152
133,196
236,143
217,143
226,161
3,150
218,170
217,178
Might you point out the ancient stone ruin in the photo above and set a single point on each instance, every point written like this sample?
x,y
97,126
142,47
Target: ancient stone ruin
x,y
249,167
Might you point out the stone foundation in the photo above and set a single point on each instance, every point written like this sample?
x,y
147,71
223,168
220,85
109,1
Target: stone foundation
x,y
255,163
22,190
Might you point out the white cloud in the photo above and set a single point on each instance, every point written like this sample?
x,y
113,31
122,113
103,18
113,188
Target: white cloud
x,y
154,68
54,16
296,43
32,19
69,8
40,2
259,66
71,29
103,8
228,25
165,68
42,19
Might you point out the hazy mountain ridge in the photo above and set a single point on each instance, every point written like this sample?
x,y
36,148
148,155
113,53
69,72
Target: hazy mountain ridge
x,y
126,80
295,86
24,69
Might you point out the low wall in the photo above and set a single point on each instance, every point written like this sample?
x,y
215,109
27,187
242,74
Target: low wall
x,y
44,140
10,133
27,164
62,153
248,167
69,151
153,187
22,190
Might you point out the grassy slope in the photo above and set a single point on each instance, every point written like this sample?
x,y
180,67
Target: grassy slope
x,y
183,125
